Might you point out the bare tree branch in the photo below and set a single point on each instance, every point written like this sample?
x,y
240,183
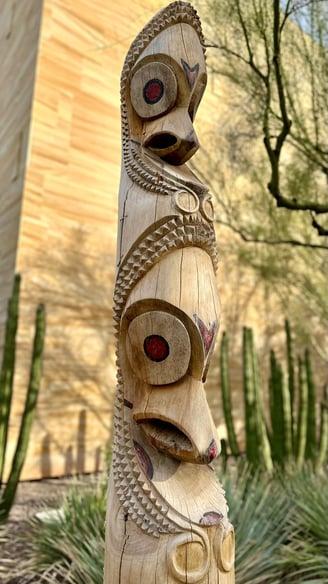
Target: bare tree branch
x,y
264,241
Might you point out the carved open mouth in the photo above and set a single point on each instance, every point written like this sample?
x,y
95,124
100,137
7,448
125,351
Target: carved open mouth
x,y
169,439
163,141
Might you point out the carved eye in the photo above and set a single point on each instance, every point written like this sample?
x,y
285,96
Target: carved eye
x,y
153,90
158,348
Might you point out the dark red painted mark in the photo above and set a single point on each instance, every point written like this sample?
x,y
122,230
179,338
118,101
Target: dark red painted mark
x,y
128,404
153,91
211,518
191,72
156,348
208,334
145,462
212,451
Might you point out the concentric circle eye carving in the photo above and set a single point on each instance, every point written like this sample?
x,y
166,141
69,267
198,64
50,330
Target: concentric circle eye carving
x,y
207,208
158,347
153,90
186,201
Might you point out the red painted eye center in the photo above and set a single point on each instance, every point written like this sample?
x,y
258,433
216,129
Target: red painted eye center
x,y
153,91
156,348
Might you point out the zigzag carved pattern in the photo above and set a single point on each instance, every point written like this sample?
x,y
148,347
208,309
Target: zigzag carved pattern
x,y
148,177
146,509
149,512
175,233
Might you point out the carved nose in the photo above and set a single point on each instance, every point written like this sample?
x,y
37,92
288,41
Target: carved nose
x,y
177,420
171,148
172,138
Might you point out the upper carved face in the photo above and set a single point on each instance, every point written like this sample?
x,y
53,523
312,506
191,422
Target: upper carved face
x,y
163,93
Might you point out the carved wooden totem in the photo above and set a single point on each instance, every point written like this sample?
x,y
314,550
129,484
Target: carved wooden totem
x,y
167,515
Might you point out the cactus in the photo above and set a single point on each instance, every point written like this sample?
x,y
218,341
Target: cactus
x,y
262,433
250,404
277,435
7,494
7,371
293,433
323,434
281,437
290,373
226,399
302,414
310,447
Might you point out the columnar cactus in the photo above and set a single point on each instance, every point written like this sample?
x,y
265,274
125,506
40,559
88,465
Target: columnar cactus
x,y
8,491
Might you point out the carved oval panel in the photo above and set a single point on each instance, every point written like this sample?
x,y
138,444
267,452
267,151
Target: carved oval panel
x,y
188,558
207,209
225,546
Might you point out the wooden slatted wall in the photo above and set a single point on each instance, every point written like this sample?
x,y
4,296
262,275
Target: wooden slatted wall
x,y
19,30
67,241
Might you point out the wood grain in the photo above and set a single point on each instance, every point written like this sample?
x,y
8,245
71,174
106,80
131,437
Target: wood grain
x,y
166,513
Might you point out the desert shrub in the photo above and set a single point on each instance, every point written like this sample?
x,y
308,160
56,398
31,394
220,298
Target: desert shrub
x,y
68,545
259,511
280,522
306,556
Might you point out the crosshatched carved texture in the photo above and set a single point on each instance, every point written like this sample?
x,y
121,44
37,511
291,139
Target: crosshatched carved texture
x,y
167,515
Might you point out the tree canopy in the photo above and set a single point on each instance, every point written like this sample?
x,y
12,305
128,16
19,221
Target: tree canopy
x,y
274,57
266,154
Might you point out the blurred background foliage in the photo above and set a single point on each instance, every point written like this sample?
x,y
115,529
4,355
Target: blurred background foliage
x,y
266,154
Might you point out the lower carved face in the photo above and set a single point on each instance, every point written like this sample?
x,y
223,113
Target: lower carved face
x,y
166,344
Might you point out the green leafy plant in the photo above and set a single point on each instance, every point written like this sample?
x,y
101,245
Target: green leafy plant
x,y
280,524
259,511
291,436
68,545
8,490
306,556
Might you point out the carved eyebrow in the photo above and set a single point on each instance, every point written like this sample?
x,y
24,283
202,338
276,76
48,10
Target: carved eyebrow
x,y
191,72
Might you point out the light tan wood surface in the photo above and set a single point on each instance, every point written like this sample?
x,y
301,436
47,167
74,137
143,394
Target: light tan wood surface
x,y
166,515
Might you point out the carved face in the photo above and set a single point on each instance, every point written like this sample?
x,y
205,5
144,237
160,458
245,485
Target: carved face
x,y
168,335
165,89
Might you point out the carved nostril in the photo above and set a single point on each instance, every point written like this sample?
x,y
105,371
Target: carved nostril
x,y
161,141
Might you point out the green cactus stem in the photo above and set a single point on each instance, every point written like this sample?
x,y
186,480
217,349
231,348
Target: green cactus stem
x,y
310,448
323,436
226,396
7,371
262,433
7,493
291,376
250,401
302,414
